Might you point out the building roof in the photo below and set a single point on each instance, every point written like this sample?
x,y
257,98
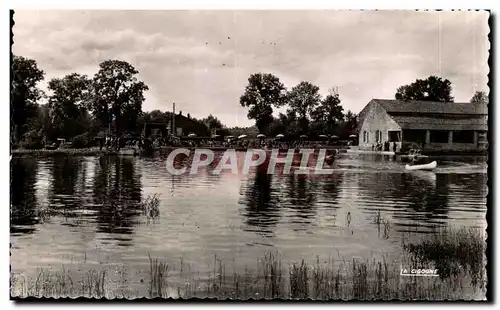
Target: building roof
x,y
410,106
439,123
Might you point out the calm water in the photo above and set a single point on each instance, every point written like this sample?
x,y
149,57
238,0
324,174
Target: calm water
x,y
91,216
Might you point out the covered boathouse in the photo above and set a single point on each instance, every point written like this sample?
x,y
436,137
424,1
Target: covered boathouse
x,y
446,127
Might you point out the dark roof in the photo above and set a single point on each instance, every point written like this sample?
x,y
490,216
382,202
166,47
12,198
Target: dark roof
x,y
401,106
440,123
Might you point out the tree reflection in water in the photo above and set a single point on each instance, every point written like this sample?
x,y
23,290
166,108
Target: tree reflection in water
x,y
23,201
261,210
117,195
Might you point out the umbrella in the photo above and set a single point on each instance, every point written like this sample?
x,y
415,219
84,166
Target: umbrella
x,y
303,136
260,135
334,137
323,136
192,135
353,136
280,136
242,136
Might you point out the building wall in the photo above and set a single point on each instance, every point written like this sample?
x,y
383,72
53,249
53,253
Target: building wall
x,y
376,118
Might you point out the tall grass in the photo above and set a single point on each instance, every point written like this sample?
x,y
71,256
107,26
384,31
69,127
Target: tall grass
x,y
272,277
61,284
454,252
158,272
151,207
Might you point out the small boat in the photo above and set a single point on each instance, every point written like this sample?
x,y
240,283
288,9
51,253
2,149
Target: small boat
x,y
429,166
52,146
413,154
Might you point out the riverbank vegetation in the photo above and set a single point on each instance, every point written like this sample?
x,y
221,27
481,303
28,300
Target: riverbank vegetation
x,y
272,277
79,108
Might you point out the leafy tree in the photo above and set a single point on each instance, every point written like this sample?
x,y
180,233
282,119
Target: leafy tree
x,y
41,123
118,94
431,89
68,102
349,125
251,131
157,116
479,97
286,124
263,91
303,100
329,113
24,92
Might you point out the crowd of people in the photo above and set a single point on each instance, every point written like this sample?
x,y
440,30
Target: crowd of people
x,y
386,146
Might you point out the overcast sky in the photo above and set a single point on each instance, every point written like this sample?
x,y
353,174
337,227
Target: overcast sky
x,y
202,59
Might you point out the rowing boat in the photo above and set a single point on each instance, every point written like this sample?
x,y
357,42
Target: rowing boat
x,y
429,166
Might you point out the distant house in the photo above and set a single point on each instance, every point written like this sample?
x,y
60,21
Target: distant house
x,y
431,126
183,126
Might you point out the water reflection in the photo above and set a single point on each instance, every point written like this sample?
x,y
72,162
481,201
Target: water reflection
x,y
206,213
64,195
261,210
22,192
301,197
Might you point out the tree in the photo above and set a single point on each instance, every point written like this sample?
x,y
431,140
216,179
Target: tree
x,y
68,103
212,123
303,99
479,97
349,125
43,122
24,92
118,94
263,91
431,89
329,113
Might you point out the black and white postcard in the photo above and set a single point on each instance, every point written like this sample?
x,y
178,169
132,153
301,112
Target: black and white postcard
x,y
238,154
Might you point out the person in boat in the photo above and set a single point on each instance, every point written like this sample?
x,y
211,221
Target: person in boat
x,y
420,159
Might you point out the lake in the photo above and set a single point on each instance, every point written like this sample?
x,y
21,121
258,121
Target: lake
x,y
82,213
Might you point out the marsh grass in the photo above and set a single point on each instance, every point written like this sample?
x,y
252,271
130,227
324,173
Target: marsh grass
x,y
454,252
158,273
61,284
272,277
151,206
383,225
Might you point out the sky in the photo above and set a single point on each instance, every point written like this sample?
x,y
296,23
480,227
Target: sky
x,y
201,60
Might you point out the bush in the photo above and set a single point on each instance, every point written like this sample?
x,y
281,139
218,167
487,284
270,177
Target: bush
x,y
81,141
32,140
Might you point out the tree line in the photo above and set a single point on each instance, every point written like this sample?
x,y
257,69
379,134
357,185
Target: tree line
x,y
79,107
307,113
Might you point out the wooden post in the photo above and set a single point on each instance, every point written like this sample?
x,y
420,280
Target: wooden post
x,y
173,120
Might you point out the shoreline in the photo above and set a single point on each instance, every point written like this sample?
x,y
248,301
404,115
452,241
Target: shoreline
x,y
95,151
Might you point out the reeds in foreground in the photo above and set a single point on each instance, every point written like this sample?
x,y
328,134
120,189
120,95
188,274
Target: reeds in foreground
x,y
461,251
454,252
